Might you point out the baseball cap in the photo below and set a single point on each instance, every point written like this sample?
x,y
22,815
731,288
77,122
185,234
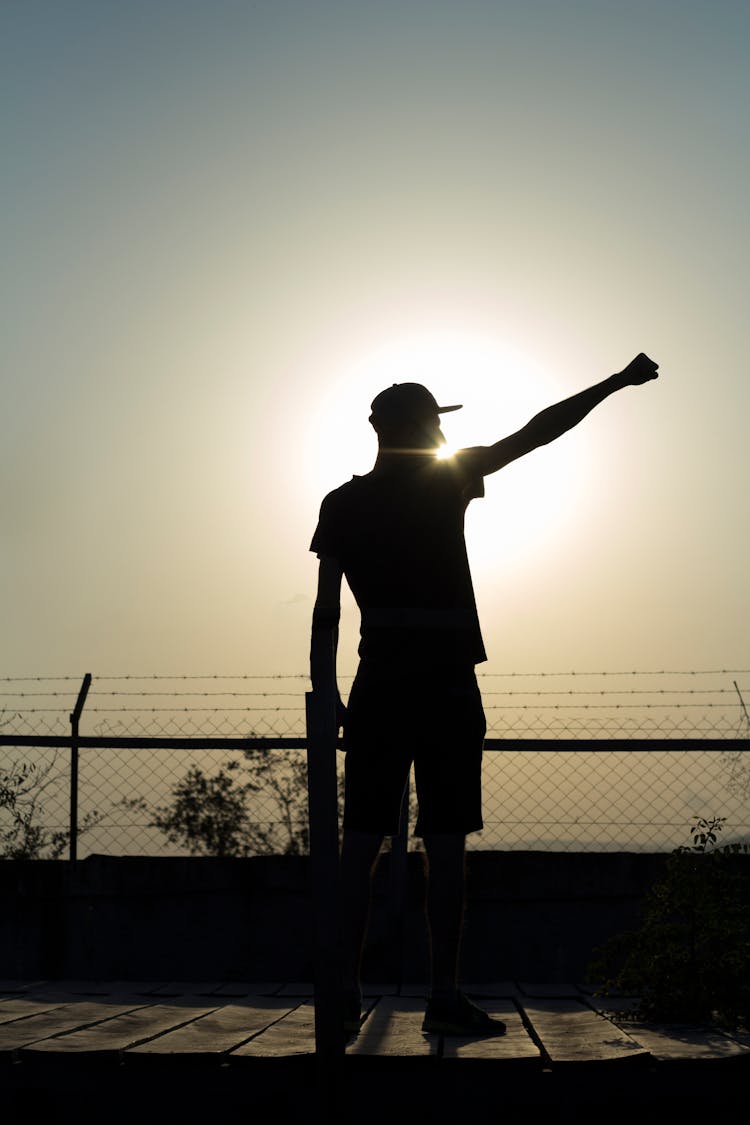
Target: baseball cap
x,y
406,401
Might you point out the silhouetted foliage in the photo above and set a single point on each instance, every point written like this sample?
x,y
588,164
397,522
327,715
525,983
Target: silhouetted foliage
x,y
254,807
690,960
22,835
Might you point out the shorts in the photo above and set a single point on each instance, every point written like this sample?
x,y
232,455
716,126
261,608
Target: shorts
x,y
435,721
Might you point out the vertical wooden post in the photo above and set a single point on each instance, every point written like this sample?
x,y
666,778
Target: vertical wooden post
x,y
322,731
398,885
74,720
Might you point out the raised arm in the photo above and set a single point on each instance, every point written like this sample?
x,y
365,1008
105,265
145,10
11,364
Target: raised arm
x,y
563,416
325,629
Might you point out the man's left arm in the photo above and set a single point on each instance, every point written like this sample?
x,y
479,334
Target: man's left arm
x,y
556,420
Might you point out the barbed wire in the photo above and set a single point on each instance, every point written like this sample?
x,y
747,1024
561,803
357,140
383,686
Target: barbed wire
x,y
528,691
304,676
489,707
163,676
208,700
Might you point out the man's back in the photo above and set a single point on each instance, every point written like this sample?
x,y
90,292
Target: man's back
x,y
398,533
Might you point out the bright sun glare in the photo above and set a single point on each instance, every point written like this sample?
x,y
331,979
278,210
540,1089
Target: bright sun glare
x,y
500,390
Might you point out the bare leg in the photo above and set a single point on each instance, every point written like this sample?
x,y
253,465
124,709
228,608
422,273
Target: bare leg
x,y
446,859
359,856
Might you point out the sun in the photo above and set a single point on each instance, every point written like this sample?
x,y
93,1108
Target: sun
x,y
500,389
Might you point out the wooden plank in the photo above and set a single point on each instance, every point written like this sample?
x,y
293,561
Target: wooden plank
x,y
59,1020
375,988
612,1006
516,1046
291,1036
172,988
21,1006
305,988
675,1042
549,991
217,1032
570,1032
394,1028
217,988
589,988
297,988
248,988
13,987
131,987
123,1030
75,989
672,1042
504,989
410,989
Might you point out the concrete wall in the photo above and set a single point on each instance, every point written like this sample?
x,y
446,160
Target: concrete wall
x,y
530,916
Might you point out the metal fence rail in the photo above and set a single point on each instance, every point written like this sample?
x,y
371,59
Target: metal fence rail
x,y
575,761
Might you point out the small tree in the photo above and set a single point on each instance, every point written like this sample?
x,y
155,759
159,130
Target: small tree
x,y
690,960
22,835
208,814
217,815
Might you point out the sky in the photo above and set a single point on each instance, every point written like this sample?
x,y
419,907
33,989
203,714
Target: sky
x,y
227,225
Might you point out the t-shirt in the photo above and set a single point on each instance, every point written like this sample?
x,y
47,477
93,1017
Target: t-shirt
x,y
398,534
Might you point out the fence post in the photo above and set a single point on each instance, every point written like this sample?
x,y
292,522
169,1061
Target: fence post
x,y
322,731
74,720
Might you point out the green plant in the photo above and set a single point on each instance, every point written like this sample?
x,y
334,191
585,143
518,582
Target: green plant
x,y
689,962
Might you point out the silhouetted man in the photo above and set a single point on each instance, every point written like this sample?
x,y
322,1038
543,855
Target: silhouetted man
x,y
397,535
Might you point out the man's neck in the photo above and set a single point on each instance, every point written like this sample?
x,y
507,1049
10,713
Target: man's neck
x,y
402,460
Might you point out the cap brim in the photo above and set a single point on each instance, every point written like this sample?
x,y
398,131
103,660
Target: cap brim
x,y
447,409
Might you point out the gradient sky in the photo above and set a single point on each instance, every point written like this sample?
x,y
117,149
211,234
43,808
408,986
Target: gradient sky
x,y
225,226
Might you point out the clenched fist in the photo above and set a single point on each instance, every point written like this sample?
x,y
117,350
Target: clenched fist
x,y
639,370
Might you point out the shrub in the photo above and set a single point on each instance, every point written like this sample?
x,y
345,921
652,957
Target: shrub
x,y
690,960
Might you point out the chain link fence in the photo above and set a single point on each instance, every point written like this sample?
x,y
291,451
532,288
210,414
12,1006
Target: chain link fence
x,y
579,761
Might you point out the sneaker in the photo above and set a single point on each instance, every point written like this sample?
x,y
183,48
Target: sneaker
x,y
460,1017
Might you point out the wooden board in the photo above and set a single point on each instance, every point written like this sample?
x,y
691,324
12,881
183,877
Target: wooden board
x,y
185,988
571,1032
394,1027
13,987
21,1006
123,1030
65,1018
297,988
505,989
291,1036
671,1042
552,991
83,988
378,988
248,988
306,989
222,1030
612,1005
417,990
215,988
675,1043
